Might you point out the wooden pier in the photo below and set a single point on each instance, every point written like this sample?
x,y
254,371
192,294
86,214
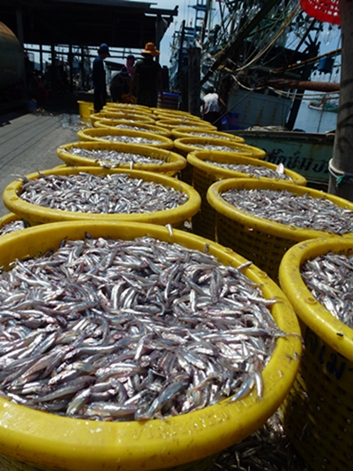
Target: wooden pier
x,y
28,143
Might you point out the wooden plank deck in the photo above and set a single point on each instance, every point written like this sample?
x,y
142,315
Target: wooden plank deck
x,y
28,143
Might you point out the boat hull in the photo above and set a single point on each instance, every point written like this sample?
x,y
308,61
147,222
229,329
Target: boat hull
x,y
305,153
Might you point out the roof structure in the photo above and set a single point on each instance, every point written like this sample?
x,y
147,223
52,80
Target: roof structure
x,y
119,23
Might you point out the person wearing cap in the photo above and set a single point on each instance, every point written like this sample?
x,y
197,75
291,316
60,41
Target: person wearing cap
x,y
98,78
147,78
120,83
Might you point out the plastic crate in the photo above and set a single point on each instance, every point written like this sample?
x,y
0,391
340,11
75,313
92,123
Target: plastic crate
x,y
35,214
318,412
35,440
323,10
260,240
204,174
172,162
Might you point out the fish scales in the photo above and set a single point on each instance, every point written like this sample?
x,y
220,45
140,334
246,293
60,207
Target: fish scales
x,y
113,341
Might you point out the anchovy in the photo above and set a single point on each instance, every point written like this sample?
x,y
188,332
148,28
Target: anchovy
x,y
112,194
285,207
131,330
329,278
252,170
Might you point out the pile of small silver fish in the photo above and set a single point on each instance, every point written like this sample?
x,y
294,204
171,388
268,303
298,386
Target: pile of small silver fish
x,y
110,194
215,136
268,449
12,226
286,207
131,330
130,140
253,170
329,277
138,128
224,148
113,157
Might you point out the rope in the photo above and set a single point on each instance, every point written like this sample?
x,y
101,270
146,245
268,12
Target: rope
x,y
340,176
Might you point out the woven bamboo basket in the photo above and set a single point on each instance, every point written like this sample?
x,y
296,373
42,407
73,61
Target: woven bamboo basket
x,y
260,240
318,412
32,440
99,134
171,163
35,214
204,174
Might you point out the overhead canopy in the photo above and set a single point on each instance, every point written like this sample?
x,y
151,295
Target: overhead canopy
x,y
120,23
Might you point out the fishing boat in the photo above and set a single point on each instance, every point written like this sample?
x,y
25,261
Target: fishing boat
x,y
240,53
305,153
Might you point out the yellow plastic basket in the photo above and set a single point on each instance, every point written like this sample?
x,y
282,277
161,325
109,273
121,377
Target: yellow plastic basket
x,y
204,174
262,241
172,162
35,214
85,108
34,440
97,134
141,117
8,218
172,123
171,114
127,108
190,144
144,127
185,145
318,412
180,132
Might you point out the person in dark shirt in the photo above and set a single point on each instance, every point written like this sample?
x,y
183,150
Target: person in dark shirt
x,y
98,78
147,78
120,83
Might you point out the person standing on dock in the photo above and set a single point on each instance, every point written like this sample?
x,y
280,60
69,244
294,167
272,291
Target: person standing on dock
x,y
98,78
147,78
211,108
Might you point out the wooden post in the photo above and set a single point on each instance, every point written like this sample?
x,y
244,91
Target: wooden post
x,y
341,165
194,56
